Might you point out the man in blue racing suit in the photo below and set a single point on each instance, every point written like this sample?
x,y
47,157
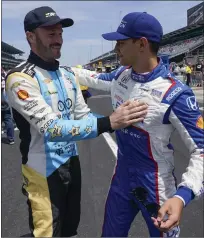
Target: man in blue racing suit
x,y
51,114
144,174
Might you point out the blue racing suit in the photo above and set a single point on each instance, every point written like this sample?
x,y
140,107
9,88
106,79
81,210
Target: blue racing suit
x,y
145,163
51,114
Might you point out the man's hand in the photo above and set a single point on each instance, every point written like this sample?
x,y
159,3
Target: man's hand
x,y
127,114
169,214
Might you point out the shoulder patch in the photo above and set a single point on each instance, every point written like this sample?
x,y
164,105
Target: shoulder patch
x,y
68,69
26,68
174,91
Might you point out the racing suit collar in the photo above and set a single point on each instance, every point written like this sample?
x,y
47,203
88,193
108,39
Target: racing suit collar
x,y
159,71
35,59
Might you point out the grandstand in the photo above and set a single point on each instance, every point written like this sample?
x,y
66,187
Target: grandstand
x,y
180,45
10,56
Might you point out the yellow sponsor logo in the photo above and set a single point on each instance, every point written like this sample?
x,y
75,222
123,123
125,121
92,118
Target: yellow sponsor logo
x,y
22,94
47,81
15,85
200,123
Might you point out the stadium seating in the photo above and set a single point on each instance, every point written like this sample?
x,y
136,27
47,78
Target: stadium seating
x,y
181,46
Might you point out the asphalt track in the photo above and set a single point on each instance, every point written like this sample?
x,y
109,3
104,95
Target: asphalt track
x,y
97,162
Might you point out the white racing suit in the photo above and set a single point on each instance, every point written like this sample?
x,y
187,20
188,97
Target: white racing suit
x,y
145,156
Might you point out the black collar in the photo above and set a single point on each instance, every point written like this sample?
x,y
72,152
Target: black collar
x,y
35,59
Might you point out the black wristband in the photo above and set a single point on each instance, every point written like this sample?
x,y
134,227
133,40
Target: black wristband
x,y
104,125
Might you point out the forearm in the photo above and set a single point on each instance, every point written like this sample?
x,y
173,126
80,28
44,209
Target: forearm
x,y
92,80
189,124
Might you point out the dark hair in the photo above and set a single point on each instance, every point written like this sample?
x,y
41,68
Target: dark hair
x,y
154,47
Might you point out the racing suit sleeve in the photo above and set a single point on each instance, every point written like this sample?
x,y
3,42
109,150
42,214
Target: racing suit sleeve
x,y
25,97
186,118
102,81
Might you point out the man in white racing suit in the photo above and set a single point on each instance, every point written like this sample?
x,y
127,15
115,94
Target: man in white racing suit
x,y
51,114
144,172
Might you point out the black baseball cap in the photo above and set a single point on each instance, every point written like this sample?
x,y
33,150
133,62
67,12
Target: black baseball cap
x,y
44,16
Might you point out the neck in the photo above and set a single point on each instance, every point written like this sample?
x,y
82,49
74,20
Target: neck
x,y
40,62
147,66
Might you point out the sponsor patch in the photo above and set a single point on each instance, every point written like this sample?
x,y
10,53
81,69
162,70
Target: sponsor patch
x,y
125,79
47,81
173,93
46,125
22,94
55,131
30,105
192,103
200,123
41,119
16,84
88,129
75,131
138,77
144,87
123,85
156,93
37,111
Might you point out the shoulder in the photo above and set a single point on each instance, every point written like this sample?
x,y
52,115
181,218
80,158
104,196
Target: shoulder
x,y
176,89
25,68
25,72
67,69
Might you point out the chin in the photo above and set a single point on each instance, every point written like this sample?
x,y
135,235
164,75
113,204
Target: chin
x,y
57,56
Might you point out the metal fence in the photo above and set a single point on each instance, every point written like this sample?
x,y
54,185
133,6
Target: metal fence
x,y
197,79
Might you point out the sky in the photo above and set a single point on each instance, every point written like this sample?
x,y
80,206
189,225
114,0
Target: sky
x,y
83,40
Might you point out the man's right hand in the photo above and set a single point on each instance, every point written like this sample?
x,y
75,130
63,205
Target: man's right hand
x,y
127,114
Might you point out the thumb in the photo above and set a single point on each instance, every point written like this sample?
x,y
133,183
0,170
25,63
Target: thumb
x,y
162,212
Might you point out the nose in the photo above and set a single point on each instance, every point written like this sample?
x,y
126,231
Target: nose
x,y
58,39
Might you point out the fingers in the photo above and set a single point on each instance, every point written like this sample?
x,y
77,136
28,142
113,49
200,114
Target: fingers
x,y
162,212
132,104
138,109
136,104
130,122
156,223
125,104
137,115
167,224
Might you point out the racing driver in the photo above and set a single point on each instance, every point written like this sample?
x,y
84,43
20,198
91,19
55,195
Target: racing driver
x,y
144,173
51,114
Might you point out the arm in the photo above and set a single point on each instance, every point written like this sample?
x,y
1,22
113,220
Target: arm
x,y
186,118
25,97
81,109
97,81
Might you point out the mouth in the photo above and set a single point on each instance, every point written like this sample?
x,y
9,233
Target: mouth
x,y
56,47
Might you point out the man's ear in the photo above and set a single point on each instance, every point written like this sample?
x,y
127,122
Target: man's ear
x,y
30,36
143,42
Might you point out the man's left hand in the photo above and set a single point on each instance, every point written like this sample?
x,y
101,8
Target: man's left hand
x,y
172,209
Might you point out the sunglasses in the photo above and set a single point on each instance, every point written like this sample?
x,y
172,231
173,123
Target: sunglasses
x,y
141,195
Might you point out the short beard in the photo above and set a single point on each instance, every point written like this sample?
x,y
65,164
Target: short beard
x,y
44,51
